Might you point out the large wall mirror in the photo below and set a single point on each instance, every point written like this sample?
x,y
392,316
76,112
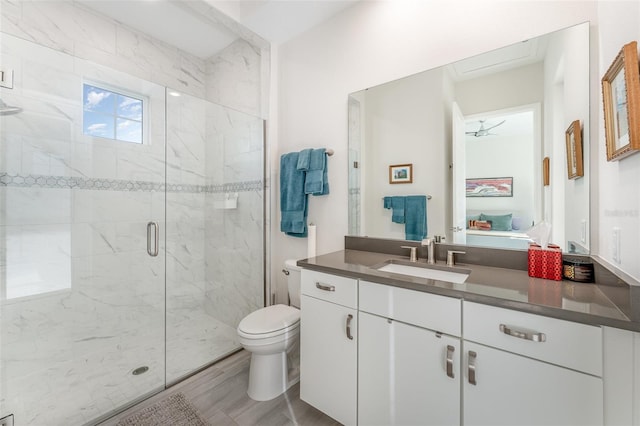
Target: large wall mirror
x,y
476,133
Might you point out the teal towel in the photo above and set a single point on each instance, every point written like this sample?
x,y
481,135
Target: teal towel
x,y
316,180
293,200
415,226
387,202
304,159
398,206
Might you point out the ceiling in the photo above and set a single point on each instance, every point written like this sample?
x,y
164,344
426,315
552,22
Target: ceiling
x,y
173,22
514,124
503,59
281,20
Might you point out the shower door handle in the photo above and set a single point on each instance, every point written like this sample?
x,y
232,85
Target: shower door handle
x,y
153,232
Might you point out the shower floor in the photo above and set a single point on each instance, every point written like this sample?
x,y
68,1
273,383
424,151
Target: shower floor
x,y
51,379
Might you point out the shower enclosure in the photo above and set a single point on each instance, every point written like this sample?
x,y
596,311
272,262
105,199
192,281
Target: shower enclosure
x,y
131,235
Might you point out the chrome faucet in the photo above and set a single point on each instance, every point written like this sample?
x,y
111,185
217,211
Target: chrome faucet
x,y
430,243
413,254
451,256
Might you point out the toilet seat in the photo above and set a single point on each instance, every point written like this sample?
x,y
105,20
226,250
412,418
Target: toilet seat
x,y
269,322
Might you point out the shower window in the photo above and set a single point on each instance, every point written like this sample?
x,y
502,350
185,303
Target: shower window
x,y
112,114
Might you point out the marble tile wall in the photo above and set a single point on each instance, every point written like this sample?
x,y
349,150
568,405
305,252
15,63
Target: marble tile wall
x,y
234,77
67,27
235,236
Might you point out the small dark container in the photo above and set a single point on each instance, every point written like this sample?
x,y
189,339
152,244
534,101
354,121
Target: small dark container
x,y
577,270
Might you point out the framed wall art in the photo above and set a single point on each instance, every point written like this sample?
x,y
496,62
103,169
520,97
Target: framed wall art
x,y
621,99
490,187
401,173
573,138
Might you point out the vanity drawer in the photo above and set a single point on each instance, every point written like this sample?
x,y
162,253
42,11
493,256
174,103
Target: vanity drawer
x,y
332,288
432,311
565,343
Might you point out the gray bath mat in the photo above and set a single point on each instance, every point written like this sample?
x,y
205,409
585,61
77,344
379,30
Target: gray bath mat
x,y
174,410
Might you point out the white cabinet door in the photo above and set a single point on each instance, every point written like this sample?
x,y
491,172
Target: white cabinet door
x,y
328,358
514,390
402,374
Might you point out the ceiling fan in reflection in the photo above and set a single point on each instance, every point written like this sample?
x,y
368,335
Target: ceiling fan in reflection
x,y
484,131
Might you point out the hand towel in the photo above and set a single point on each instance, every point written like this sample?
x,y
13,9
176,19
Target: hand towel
x,y
316,179
398,206
387,202
293,200
325,176
415,214
304,159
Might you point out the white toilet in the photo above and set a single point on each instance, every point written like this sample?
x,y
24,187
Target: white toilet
x,y
268,334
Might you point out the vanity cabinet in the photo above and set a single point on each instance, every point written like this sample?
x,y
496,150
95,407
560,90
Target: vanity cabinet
x,y
408,368
621,377
328,344
375,354
526,369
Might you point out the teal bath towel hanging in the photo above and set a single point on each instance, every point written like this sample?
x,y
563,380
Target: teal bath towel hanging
x,y
293,200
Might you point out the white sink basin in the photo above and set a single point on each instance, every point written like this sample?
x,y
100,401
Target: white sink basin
x,y
424,271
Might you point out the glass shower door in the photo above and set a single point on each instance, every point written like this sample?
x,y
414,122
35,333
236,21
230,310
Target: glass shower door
x,y
82,273
215,229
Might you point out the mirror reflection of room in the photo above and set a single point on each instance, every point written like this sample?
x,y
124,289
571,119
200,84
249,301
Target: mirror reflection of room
x,y
514,104
501,150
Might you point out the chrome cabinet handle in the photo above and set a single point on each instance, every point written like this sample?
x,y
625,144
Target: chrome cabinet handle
x,y
472,367
325,287
450,350
534,337
153,232
349,318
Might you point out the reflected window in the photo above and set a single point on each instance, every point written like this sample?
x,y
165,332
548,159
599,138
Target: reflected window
x,y
112,115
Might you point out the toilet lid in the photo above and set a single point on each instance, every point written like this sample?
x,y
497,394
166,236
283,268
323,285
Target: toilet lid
x,y
269,319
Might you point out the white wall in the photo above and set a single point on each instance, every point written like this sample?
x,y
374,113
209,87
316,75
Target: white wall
x,y
615,195
371,43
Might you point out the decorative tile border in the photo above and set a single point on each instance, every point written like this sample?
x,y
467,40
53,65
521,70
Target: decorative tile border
x,y
69,182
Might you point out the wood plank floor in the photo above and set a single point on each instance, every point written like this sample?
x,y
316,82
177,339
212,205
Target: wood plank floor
x,y
219,393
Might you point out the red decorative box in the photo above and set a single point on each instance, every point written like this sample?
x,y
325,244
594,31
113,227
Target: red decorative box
x,y
545,263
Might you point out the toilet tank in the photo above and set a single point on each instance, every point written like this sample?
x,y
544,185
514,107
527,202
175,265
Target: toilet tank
x,y
293,281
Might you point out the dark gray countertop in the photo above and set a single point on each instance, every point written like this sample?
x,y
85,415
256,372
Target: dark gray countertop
x,y
507,288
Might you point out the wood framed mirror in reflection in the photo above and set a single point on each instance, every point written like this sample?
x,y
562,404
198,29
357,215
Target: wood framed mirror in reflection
x,y
492,115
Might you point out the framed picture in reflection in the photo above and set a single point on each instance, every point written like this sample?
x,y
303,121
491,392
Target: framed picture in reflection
x,y
573,138
401,173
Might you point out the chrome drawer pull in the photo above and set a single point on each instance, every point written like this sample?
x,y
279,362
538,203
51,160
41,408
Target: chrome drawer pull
x,y
450,350
472,367
325,287
534,337
349,318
